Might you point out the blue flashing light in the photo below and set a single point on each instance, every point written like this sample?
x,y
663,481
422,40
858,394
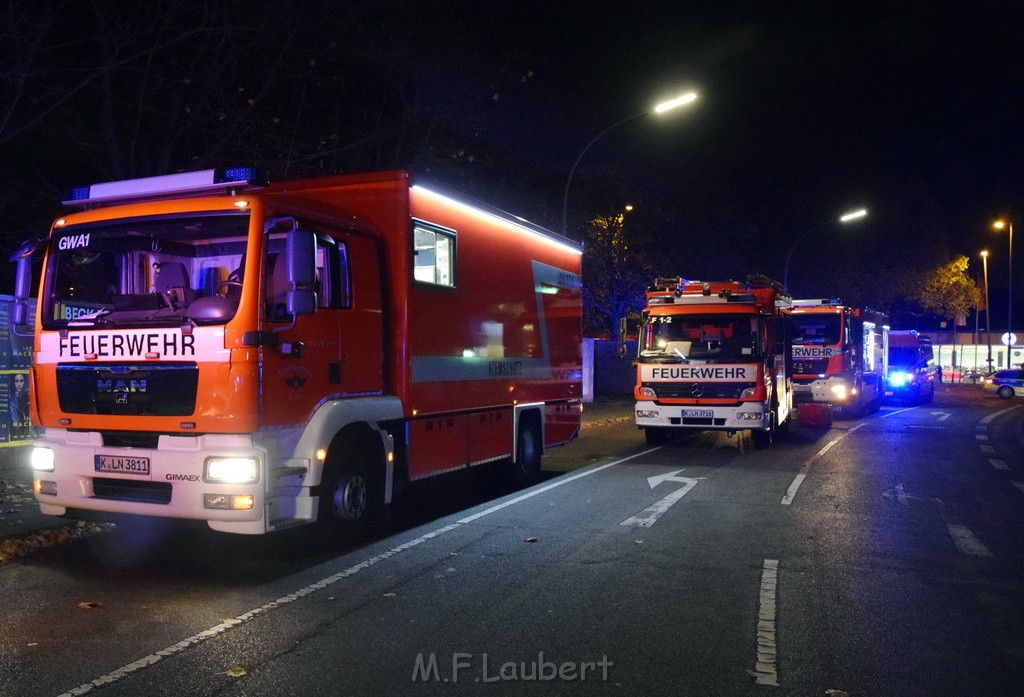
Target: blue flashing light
x,y
899,378
237,174
79,193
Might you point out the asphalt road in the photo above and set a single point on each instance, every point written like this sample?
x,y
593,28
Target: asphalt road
x,y
880,557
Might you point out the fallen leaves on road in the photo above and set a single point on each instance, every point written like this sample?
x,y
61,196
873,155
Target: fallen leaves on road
x,y
533,539
235,671
90,604
14,547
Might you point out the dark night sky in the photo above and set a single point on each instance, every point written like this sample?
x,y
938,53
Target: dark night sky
x,y
806,109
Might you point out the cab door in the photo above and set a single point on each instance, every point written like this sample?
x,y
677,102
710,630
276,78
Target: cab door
x,y
333,353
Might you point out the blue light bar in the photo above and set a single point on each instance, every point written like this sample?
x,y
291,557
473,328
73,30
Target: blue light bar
x,y
165,186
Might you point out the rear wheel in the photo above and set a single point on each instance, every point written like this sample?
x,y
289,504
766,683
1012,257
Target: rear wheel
x,y
526,468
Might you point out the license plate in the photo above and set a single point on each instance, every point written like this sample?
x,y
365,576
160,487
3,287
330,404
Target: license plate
x,y
698,413
118,464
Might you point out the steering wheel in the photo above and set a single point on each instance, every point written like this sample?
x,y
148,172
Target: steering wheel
x,y
226,284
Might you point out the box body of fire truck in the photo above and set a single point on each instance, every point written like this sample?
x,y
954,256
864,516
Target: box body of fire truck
x,y
712,356
262,356
839,355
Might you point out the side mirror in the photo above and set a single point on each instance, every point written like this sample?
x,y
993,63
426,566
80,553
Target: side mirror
x,y
22,290
300,254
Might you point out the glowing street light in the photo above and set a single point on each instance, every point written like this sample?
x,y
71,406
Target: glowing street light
x,y
844,219
661,108
1001,225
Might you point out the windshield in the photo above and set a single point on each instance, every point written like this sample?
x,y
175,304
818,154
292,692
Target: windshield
x,y
820,330
714,338
903,356
146,271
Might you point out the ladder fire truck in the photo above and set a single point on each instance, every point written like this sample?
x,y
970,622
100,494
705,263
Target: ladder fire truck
x,y
839,355
256,356
712,356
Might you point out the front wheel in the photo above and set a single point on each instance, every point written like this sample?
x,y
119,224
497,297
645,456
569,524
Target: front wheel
x,y
763,438
655,435
351,495
1006,392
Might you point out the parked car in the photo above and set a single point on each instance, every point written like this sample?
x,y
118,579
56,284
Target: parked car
x,y
1005,383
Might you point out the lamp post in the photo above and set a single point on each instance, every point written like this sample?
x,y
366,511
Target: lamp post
x,y
1001,225
988,312
844,219
658,109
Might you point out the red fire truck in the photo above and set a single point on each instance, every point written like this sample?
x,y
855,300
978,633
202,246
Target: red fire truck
x,y
839,355
712,356
262,356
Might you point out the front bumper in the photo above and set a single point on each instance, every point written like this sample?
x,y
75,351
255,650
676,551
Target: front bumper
x,y
173,488
704,417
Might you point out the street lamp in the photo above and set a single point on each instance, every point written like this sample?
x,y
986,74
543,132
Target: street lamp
x,y
988,312
844,219
661,108
1000,225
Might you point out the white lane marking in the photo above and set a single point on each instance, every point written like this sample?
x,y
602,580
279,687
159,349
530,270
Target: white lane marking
x,y
999,464
284,600
980,436
649,516
987,449
966,542
942,415
1019,485
766,668
799,479
988,419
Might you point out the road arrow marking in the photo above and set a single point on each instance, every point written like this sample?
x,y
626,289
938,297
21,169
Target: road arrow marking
x,y
943,415
965,541
649,516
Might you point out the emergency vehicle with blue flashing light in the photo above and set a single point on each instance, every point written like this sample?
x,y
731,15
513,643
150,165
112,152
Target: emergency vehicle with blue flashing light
x,y
712,356
912,369
258,357
839,355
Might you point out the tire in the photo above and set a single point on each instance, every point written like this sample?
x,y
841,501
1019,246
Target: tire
x,y
929,397
526,468
1006,392
763,438
655,435
351,496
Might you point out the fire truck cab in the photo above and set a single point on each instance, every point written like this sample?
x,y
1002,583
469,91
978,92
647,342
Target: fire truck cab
x,y
839,355
712,356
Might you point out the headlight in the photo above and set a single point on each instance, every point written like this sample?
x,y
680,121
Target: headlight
x,y
231,470
898,378
42,459
839,392
749,392
648,392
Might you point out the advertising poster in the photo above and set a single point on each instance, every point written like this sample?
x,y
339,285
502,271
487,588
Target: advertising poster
x,y
16,426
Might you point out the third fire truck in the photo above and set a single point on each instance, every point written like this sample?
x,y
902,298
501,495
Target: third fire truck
x,y
712,356
839,355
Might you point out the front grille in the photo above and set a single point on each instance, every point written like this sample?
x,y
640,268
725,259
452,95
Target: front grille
x,y
165,389
131,439
131,490
808,367
698,390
